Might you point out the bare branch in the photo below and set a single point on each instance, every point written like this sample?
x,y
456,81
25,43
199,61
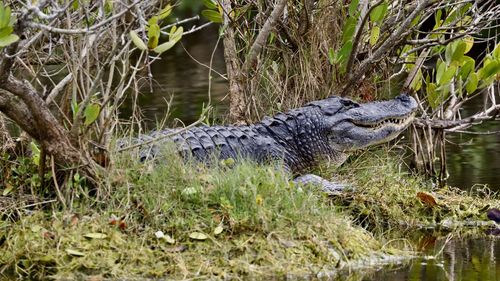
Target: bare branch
x,y
357,38
263,34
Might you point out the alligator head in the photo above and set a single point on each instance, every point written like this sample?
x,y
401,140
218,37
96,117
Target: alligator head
x,y
351,126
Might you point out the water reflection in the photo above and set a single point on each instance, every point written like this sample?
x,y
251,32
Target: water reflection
x,y
461,259
178,76
475,159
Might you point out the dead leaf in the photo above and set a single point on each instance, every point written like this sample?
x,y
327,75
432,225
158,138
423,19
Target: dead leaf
x,y
198,236
427,199
75,253
218,230
122,225
48,235
74,220
95,235
177,249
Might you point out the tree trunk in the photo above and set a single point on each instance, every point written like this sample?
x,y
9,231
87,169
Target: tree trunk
x,y
20,102
237,103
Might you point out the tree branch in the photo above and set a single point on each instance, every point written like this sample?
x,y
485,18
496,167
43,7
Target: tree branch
x,y
260,41
357,38
395,37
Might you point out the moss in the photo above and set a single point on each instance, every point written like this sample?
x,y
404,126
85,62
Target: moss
x,y
270,227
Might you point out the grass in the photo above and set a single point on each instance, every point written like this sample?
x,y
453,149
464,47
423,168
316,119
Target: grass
x,y
224,221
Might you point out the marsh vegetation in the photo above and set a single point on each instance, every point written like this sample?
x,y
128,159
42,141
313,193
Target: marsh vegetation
x,y
72,206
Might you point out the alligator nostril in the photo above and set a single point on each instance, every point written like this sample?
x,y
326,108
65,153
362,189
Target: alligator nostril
x,y
404,98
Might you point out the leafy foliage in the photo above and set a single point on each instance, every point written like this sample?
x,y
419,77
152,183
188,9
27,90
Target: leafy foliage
x,y
7,36
154,34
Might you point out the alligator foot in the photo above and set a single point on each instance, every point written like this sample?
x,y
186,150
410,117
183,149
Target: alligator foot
x,y
327,186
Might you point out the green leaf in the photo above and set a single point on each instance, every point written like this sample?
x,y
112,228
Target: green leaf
x,y
432,95
331,55
95,235
378,13
153,20
437,19
458,50
344,52
5,19
153,42
210,4
469,43
375,33
468,65
416,84
5,31
35,153
448,53
353,6
349,29
138,41
212,16
7,40
489,69
164,47
496,52
153,35
91,113
441,67
165,12
176,33
472,83
448,75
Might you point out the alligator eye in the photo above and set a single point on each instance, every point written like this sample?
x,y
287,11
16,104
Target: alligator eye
x,y
349,104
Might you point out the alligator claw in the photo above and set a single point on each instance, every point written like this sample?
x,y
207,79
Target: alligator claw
x,y
327,186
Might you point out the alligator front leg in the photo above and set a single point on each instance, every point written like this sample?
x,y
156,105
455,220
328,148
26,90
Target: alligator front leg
x,y
327,186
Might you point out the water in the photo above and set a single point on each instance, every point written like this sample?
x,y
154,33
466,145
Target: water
x,y
475,158
460,259
471,159
181,78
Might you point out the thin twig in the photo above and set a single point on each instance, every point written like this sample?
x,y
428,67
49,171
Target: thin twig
x,y
263,34
357,38
202,118
58,190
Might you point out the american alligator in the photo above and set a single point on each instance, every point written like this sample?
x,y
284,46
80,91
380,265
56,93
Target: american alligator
x,y
302,138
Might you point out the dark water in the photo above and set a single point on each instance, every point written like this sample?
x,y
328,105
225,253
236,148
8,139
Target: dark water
x,y
471,159
179,77
475,158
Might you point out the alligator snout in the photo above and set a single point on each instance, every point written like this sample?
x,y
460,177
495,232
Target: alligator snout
x,y
407,100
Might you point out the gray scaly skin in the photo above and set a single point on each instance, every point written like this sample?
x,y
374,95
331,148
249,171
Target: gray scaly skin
x,y
302,138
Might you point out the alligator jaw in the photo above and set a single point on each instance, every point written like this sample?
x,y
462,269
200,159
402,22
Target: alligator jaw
x,y
397,123
364,125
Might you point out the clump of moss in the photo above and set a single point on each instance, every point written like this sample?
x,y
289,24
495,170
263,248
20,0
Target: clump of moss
x,y
386,196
